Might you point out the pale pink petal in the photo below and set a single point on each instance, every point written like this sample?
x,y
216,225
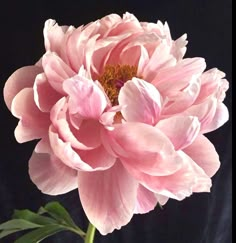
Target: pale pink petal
x,y
78,137
143,148
54,35
181,100
56,71
220,118
33,123
205,112
161,58
181,130
203,152
210,80
98,158
43,146
108,197
45,96
179,76
179,185
146,200
141,102
20,79
65,152
50,175
178,49
86,97
162,200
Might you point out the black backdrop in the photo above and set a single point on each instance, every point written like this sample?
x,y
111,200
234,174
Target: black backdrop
x,y
202,218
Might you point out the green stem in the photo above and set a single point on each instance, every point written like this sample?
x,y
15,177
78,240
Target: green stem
x,y
90,234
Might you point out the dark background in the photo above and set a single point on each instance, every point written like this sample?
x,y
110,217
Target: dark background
x,y
202,218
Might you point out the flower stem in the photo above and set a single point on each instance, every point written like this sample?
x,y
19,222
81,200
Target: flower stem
x,y
90,234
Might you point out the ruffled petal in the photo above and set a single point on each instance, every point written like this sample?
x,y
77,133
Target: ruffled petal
x,y
141,102
98,158
33,123
143,148
178,76
146,200
20,79
50,175
179,185
86,97
45,96
108,197
75,133
56,71
203,152
181,130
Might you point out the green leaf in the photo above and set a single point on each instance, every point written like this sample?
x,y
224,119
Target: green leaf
x,y
38,235
18,224
8,232
33,217
58,212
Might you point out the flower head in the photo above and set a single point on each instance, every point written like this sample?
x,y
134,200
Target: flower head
x,y
120,114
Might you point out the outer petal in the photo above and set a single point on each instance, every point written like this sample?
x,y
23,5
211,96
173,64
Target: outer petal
x,y
56,71
51,175
141,102
146,200
33,123
178,77
190,178
45,95
108,197
20,79
86,97
219,119
205,112
181,130
142,148
203,152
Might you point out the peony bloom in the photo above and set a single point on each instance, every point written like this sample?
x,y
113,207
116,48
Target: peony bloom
x,y
120,114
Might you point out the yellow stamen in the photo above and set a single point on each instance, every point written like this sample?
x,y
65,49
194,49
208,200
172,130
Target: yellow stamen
x,y
114,77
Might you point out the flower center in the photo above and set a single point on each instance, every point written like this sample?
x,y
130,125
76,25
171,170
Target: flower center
x,y
114,77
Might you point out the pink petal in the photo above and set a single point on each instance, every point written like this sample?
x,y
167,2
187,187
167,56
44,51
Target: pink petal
x,y
181,130
33,123
146,200
77,136
160,58
50,175
181,184
54,36
56,71
179,76
141,102
220,118
108,197
98,158
210,81
71,156
181,100
203,152
205,112
143,148
178,49
86,97
162,200
20,79
45,95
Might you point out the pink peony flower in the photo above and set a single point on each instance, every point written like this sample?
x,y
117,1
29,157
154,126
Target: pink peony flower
x,y
120,115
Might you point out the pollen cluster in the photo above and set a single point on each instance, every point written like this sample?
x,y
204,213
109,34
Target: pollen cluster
x,y
114,77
